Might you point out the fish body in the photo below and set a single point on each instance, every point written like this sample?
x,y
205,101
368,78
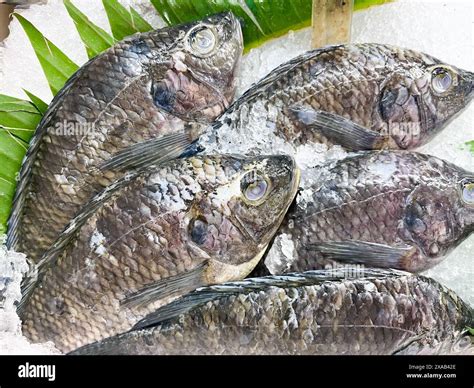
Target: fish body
x,y
393,209
166,231
360,96
313,313
163,83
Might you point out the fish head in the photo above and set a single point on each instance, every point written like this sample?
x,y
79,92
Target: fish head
x,y
267,188
420,98
440,216
218,67
450,90
239,217
197,82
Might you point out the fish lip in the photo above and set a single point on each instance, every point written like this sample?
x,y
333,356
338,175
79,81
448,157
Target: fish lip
x,y
229,17
294,187
238,27
469,77
294,184
295,181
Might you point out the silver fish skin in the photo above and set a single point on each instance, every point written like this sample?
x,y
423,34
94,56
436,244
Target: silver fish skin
x,y
361,96
160,85
313,313
151,238
394,209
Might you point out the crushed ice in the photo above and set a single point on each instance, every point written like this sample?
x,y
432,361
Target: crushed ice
x,y
13,266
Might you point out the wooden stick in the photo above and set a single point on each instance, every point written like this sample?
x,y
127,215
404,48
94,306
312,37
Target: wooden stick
x,y
5,11
332,21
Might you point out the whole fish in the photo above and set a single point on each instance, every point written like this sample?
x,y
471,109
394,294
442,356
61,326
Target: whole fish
x,y
154,236
161,85
392,209
319,312
361,96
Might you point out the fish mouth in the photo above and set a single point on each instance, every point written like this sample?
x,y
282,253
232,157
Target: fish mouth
x,y
235,26
228,18
294,187
295,183
469,77
239,38
238,27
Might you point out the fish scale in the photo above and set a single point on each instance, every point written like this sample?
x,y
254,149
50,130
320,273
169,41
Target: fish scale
x,y
317,312
142,233
396,199
113,96
357,96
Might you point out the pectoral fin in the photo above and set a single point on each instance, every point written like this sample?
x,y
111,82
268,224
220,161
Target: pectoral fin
x,y
180,284
339,130
153,151
367,253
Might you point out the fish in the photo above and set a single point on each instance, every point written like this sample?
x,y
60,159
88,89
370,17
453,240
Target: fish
x,y
324,312
360,96
151,237
162,85
389,209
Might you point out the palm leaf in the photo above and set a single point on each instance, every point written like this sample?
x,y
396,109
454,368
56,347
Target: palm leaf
x,y
39,104
56,65
362,4
94,38
263,20
122,22
140,24
18,120
18,117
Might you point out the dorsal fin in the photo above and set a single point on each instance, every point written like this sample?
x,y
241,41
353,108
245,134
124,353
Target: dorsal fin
x,y
270,78
205,294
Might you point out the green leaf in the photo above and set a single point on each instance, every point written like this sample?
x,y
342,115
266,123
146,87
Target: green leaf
x,y
140,24
18,117
470,145
263,19
94,38
39,104
12,151
7,191
8,104
362,4
18,121
122,22
56,65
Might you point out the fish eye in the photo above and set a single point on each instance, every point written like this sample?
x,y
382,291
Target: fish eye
x,y
467,192
441,80
202,40
254,186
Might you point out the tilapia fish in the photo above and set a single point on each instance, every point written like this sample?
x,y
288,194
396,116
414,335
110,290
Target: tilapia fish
x,y
319,312
160,234
162,85
361,96
392,209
